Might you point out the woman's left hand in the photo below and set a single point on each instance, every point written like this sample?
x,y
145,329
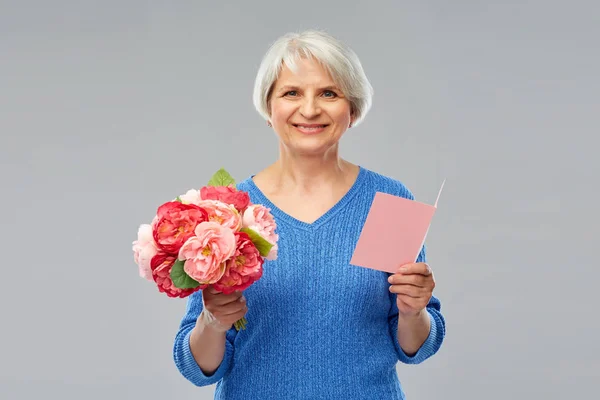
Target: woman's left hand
x,y
413,285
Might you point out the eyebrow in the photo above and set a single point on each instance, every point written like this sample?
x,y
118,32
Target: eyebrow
x,y
292,87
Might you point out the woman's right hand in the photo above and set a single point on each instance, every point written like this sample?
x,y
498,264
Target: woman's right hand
x,y
221,310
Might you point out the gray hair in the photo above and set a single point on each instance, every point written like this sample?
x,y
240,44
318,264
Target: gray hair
x,y
339,60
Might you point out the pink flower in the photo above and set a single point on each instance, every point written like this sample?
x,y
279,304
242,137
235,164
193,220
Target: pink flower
x,y
222,213
244,268
206,252
144,248
192,196
258,218
161,272
175,223
227,194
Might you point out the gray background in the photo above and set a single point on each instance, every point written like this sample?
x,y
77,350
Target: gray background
x,y
109,108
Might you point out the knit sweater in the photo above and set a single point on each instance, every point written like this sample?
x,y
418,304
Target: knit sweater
x,y
318,327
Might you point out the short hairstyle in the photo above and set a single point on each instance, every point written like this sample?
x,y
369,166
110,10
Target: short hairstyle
x,y
338,59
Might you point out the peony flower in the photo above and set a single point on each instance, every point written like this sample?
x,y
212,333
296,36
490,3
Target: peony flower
x,y
144,248
161,272
175,223
222,213
258,218
227,194
192,196
206,252
244,268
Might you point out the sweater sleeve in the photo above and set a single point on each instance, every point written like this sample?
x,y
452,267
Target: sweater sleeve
x,y
182,355
437,331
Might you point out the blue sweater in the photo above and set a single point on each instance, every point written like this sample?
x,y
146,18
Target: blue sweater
x,y
318,327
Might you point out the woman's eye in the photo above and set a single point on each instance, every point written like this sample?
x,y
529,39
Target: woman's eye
x,y
291,93
329,93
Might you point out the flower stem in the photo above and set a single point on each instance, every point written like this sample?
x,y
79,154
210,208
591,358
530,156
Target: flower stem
x,y
241,323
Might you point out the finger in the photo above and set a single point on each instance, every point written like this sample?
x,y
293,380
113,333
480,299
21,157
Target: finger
x,y
420,268
229,309
233,314
402,306
222,299
214,291
410,302
211,290
412,279
407,290
405,304
227,299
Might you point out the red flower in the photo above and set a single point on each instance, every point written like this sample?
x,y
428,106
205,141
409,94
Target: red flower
x,y
175,223
227,194
161,265
243,269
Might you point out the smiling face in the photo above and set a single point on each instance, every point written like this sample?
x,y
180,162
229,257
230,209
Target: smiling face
x,y
308,112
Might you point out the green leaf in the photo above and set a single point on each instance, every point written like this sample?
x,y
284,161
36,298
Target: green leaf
x,y
263,246
221,178
178,199
180,278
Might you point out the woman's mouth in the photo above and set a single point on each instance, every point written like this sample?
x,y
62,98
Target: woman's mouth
x,y
310,128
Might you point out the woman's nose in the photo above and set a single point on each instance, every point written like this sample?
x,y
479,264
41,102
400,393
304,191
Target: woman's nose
x,y
310,108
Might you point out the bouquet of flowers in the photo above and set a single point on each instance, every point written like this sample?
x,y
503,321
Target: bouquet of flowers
x,y
211,236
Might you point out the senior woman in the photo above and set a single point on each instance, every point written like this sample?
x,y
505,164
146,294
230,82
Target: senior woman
x,y
319,328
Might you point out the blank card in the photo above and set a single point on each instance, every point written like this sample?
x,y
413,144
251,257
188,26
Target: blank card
x,y
394,232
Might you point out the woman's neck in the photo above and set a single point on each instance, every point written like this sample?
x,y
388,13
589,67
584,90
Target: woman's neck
x,y
305,175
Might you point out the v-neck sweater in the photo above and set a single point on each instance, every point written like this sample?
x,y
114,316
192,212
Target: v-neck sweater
x,y
318,327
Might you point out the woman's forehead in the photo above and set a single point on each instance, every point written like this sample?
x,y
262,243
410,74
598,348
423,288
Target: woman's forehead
x,y
306,72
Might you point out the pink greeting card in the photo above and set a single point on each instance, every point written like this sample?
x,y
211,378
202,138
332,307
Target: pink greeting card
x,y
394,232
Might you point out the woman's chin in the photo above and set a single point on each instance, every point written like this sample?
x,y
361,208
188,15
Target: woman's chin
x,y
310,146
